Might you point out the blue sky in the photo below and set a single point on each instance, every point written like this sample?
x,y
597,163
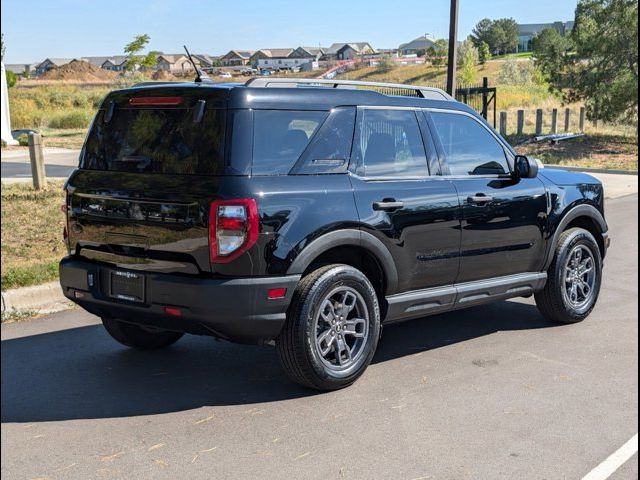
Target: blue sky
x,y
38,29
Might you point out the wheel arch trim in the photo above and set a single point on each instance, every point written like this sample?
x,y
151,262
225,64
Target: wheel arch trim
x,y
343,238
583,210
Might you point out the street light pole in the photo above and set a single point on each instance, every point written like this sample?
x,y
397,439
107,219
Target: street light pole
x,y
453,48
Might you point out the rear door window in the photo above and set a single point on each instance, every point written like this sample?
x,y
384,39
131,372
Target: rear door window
x,y
389,144
280,137
468,147
156,140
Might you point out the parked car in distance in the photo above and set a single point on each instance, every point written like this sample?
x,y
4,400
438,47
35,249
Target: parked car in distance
x,y
225,75
305,215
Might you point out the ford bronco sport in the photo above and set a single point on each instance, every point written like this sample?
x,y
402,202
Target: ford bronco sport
x,y
307,214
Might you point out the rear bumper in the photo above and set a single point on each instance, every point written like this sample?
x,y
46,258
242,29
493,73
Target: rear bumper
x,y
234,309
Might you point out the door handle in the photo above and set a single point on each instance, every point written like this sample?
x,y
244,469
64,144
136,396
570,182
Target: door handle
x,y
479,198
388,204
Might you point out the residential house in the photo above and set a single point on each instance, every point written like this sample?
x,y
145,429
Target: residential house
x,y
349,51
527,32
176,63
236,58
49,63
417,46
115,63
206,62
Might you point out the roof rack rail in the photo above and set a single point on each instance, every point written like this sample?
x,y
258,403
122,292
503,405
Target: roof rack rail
x,y
384,88
155,82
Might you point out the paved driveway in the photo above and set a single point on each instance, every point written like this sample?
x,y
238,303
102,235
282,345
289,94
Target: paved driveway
x,y
59,163
494,392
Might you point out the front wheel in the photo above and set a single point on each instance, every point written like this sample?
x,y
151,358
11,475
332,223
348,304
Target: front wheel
x,y
574,278
332,328
139,337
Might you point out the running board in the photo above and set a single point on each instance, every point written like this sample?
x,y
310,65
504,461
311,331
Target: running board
x,y
420,303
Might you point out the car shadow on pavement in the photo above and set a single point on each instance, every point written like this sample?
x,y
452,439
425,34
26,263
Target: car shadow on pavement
x,y
82,373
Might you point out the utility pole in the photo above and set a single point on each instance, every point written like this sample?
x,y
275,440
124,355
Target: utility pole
x,y
453,48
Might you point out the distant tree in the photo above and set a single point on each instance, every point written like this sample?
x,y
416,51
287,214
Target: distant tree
x,y
438,52
500,35
467,60
3,47
484,53
550,51
150,60
133,49
468,51
385,64
598,64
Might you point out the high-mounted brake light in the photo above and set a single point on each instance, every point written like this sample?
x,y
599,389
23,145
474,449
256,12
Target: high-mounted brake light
x,y
233,228
155,101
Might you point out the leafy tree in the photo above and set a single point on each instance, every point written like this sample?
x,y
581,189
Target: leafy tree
x,y
468,52
500,35
133,49
439,52
150,60
550,50
599,63
484,53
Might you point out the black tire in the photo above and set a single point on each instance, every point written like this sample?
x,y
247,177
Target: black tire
x,y
138,337
296,344
552,301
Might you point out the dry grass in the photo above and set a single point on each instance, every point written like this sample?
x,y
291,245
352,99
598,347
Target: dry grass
x,y
32,226
591,151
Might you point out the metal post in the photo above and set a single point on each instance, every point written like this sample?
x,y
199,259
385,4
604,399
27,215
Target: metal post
x,y
582,118
37,161
538,121
453,48
554,120
485,98
567,119
503,123
520,127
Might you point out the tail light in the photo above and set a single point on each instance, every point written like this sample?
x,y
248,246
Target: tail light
x,y
233,228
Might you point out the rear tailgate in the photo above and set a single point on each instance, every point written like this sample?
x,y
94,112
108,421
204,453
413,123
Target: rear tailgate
x,y
151,164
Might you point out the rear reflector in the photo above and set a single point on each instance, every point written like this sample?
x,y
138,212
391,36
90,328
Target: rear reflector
x,y
274,293
173,311
155,101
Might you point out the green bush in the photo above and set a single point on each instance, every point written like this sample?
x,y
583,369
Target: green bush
x,y
23,140
4,144
73,119
11,78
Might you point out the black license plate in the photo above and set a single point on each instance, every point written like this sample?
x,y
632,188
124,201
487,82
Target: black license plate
x,y
127,286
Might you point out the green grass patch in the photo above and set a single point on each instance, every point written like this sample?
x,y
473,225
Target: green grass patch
x,y
31,232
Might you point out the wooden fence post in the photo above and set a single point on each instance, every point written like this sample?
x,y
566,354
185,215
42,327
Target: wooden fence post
x,y
538,121
582,117
520,122
567,119
554,120
503,123
36,156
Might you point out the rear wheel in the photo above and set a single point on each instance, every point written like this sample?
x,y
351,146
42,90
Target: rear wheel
x,y
574,278
139,337
332,328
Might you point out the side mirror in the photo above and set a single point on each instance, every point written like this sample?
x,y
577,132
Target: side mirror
x,y
525,168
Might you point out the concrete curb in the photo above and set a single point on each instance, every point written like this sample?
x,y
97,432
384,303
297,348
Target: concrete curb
x,y
591,170
43,298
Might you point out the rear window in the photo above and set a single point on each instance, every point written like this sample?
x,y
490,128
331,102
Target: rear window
x,y
157,140
280,137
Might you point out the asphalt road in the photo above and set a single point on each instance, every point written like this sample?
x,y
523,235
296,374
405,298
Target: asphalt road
x,y
59,163
494,392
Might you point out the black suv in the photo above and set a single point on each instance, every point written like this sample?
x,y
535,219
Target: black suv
x,y
307,214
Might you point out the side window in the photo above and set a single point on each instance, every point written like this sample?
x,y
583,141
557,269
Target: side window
x,y
389,144
280,137
330,148
468,147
